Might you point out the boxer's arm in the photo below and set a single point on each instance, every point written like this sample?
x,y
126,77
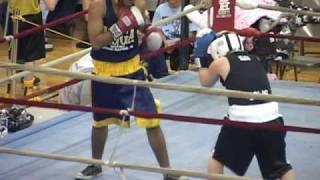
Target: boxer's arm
x,y
85,6
98,37
153,38
218,68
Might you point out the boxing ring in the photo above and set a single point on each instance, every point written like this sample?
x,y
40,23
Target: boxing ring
x,y
189,144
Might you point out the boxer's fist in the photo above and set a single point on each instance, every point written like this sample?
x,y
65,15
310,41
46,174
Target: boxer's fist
x,y
129,19
203,32
202,58
195,17
152,39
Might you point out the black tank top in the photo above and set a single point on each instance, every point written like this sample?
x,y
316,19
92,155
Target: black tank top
x,y
246,74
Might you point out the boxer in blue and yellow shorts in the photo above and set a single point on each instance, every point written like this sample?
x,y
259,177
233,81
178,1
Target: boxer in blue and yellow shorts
x,y
117,96
112,27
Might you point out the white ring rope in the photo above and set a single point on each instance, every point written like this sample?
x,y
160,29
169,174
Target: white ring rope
x,y
167,86
115,164
44,69
55,62
125,114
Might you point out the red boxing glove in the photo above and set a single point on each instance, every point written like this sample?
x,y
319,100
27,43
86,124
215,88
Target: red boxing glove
x,y
153,38
249,32
129,19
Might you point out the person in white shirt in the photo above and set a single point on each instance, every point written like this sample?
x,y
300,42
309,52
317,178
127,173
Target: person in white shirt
x,y
78,93
172,30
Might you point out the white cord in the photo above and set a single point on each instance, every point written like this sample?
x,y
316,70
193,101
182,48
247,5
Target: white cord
x,y
124,114
134,98
120,132
8,38
122,175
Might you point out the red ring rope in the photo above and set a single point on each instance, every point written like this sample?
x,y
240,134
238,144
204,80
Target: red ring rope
x,y
279,36
160,51
145,114
52,89
181,43
184,43
180,118
48,25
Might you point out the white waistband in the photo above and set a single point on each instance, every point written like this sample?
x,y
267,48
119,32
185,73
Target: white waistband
x,y
258,113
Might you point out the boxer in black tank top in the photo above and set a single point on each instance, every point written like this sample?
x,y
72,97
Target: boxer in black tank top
x,y
236,147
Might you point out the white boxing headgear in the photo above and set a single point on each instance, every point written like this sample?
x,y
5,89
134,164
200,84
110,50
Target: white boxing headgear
x,y
224,44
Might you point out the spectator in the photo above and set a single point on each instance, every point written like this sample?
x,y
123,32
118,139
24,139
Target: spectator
x,y
30,49
78,93
172,30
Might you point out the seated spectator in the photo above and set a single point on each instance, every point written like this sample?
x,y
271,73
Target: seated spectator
x,y
172,31
78,93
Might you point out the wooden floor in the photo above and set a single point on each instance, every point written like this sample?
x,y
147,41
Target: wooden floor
x,y
63,47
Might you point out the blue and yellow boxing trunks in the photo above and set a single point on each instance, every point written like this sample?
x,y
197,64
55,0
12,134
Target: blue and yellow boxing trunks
x,y
121,97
